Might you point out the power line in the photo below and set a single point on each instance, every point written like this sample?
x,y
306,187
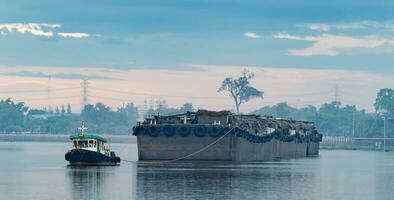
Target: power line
x,y
46,98
151,94
201,97
85,85
38,90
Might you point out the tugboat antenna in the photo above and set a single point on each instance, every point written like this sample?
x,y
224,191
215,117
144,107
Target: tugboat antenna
x,y
82,129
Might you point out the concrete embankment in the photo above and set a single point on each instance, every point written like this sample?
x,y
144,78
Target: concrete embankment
x,y
60,138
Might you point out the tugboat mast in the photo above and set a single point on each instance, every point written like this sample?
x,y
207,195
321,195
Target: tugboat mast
x,y
82,129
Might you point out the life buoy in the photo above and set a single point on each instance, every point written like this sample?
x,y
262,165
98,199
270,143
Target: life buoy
x,y
169,130
183,130
200,131
153,131
215,131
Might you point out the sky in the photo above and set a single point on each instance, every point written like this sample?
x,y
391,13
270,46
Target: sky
x,y
180,51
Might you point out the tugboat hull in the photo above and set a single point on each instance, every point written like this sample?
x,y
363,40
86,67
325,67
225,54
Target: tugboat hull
x,y
81,157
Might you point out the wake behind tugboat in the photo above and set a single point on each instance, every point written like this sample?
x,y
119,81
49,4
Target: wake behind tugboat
x,y
90,150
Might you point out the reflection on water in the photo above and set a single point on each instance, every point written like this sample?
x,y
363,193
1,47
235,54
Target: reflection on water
x,y
86,182
223,181
100,183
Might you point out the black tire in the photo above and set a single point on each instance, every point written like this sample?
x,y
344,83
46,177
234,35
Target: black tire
x,y
215,131
135,130
226,130
285,131
169,130
153,131
183,130
142,130
138,130
276,135
200,131
238,131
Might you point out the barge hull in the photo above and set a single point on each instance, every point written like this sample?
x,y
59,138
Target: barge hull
x,y
229,148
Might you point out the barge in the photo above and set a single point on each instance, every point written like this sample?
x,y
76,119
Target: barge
x,y
230,137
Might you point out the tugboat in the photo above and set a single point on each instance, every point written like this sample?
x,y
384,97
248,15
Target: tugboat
x,y
90,150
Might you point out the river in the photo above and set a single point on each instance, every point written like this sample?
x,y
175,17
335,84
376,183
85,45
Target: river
x,y
37,170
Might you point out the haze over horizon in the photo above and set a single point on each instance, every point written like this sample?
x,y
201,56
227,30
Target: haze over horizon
x,y
181,51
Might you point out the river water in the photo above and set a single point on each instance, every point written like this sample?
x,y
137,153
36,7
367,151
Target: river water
x,y
34,170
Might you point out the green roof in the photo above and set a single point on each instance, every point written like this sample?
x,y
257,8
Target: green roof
x,y
86,136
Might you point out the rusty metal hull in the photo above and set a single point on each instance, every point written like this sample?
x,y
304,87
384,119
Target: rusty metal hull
x,y
230,148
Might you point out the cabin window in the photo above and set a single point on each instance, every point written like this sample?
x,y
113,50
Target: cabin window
x,y
83,143
91,143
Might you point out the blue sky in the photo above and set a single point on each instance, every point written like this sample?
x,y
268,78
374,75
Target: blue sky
x,y
103,40
174,34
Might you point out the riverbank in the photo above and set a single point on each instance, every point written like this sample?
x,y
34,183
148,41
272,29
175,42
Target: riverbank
x,y
60,138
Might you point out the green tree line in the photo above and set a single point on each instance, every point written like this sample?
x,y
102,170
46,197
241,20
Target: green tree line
x,y
330,118
100,118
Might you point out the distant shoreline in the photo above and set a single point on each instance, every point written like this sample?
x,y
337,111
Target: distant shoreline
x,y
59,138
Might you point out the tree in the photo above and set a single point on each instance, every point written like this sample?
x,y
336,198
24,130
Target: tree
x,y
69,109
385,101
130,112
283,110
12,115
62,111
240,89
187,107
36,112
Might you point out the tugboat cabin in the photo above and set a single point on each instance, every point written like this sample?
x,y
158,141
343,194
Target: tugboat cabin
x,y
90,143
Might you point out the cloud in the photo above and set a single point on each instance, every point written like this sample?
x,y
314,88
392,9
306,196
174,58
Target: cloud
x,y
328,27
318,27
252,35
331,45
39,29
32,28
70,76
324,27
74,35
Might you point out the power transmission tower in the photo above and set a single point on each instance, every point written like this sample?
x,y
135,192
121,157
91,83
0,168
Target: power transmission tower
x,y
85,87
336,93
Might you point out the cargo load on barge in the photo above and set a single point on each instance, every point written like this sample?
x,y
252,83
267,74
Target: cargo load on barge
x,y
238,138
